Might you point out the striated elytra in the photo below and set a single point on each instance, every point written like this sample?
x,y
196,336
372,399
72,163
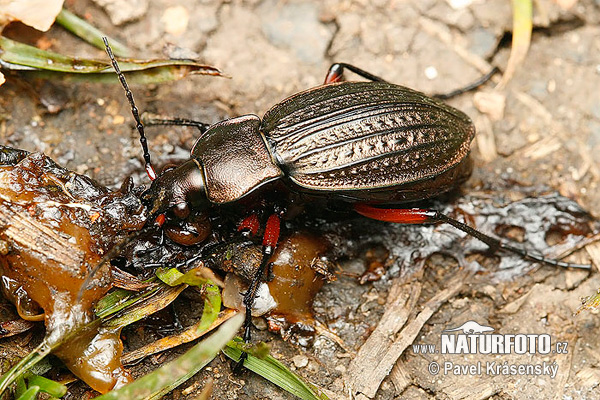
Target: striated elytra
x,y
355,141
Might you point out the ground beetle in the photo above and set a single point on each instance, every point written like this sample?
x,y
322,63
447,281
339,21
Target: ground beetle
x,y
371,144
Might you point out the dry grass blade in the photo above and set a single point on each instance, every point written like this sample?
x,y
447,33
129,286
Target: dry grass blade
x,y
161,298
522,27
189,334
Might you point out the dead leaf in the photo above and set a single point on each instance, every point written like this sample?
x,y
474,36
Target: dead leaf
x,y
39,14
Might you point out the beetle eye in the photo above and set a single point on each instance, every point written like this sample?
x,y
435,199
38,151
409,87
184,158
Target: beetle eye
x,y
181,210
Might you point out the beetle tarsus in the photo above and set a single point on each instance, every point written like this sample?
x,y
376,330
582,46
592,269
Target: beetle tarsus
x,y
249,297
497,244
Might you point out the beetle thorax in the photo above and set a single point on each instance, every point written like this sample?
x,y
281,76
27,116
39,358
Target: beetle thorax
x,y
235,159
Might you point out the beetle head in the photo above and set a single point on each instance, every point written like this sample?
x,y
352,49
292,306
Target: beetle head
x,y
178,190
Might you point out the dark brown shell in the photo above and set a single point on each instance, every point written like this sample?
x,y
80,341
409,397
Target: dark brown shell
x,y
366,137
235,159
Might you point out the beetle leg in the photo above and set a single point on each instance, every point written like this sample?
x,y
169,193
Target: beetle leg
x,y
249,225
469,87
270,239
153,120
336,72
425,216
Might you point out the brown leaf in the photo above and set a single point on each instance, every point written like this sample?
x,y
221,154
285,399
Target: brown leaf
x,y
39,14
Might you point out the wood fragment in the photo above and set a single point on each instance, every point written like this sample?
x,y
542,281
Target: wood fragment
x,y
564,366
27,231
588,377
515,305
477,390
541,148
400,377
486,141
594,252
381,351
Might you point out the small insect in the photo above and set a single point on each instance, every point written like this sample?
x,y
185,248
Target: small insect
x,y
372,146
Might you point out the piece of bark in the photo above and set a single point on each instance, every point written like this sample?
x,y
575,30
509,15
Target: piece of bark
x,y
381,351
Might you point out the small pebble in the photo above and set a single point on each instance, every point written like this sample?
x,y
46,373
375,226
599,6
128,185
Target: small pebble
x,y
459,4
431,72
118,120
300,361
176,20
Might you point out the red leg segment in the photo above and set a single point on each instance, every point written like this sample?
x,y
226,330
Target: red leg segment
x,y
271,236
249,224
160,219
334,74
397,215
151,172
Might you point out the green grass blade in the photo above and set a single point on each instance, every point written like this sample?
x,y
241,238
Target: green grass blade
x,y
275,372
166,378
90,34
212,300
30,394
23,366
212,307
47,386
15,56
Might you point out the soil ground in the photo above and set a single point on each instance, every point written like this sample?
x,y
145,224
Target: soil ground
x,y
548,134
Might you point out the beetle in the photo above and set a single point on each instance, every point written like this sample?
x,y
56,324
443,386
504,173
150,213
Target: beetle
x,y
372,144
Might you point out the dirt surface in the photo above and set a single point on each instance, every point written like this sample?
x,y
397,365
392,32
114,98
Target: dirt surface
x,y
548,135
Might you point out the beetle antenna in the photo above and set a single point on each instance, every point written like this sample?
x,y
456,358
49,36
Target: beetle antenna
x,y
134,110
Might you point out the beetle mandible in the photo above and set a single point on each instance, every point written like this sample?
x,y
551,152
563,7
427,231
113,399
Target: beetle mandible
x,y
369,144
